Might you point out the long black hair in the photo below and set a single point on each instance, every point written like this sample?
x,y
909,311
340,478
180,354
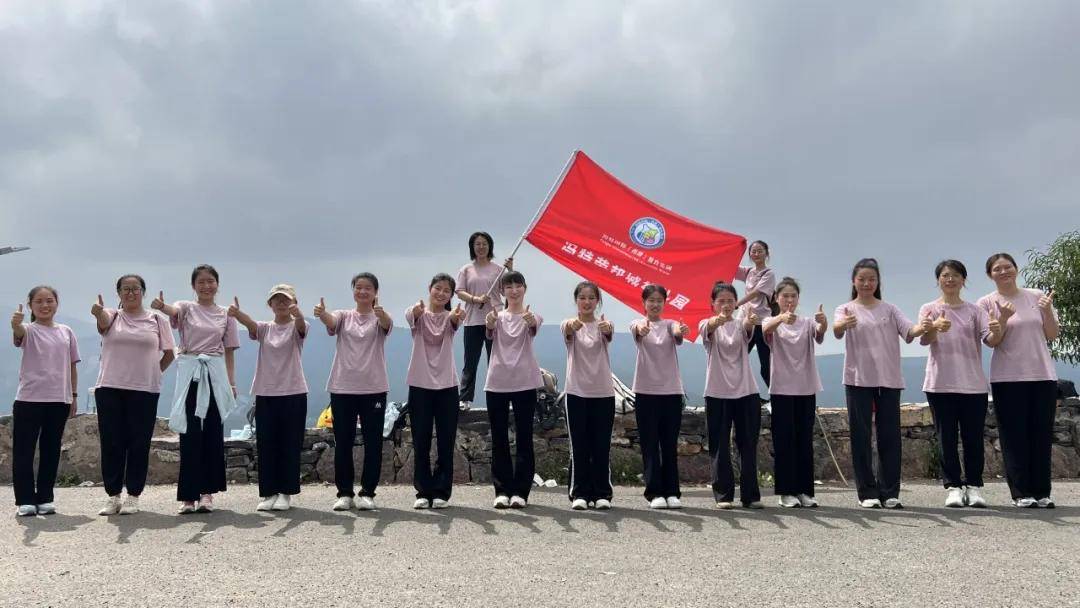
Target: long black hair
x,y
442,276
872,264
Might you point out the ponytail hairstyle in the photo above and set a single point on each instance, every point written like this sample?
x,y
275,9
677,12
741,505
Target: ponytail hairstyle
x,y
204,268
513,277
442,276
763,244
872,264
589,285
33,292
366,276
788,282
652,288
720,287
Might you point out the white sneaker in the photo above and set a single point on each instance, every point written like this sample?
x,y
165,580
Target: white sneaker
x,y
870,503
47,508
673,502
1025,503
421,503
755,504
973,498
130,506
807,501
26,510
282,502
658,503
788,502
955,498
579,504
186,508
603,504
893,503
501,502
724,505
365,503
1042,503
517,502
112,506
465,406
267,503
206,504
439,503
343,503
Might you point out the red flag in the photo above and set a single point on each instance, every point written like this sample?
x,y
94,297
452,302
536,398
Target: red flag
x,y
602,230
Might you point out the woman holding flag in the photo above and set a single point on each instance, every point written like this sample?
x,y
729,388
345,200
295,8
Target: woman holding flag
x,y
658,397
1022,379
475,282
760,285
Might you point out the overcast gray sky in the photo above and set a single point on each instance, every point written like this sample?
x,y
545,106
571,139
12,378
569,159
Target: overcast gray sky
x,y
304,142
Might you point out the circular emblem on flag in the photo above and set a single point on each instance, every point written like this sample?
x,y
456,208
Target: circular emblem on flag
x,y
647,232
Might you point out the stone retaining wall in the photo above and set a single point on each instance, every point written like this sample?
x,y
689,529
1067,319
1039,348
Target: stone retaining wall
x,y
80,459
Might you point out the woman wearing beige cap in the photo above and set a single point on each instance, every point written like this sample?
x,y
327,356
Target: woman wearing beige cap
x,y
280,396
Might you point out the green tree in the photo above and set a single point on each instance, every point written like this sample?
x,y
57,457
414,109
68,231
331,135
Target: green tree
x,y
1058,269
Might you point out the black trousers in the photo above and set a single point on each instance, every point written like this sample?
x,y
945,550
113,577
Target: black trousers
x,y
1025,414
433,410
475,341
37,427
279,437
202,451
963,415
659,418
763,353
744,414
125,426
370,410
512,477
793,443
873,409
589,422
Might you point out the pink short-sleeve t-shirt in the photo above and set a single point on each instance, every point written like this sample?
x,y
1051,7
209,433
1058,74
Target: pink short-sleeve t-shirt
x,y
727,368
45,370
204,330
794,364
477,280
279,370
1023,354
872,347
656,371
588,364
131,351
955,361
431,364
513,366
359,366
764,281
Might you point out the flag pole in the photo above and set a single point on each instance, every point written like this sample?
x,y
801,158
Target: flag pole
x,y
535,218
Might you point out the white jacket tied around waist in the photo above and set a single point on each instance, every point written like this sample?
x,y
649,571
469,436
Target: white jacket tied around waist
x,y
205,370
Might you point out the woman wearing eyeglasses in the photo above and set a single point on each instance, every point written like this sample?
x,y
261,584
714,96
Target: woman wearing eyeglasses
x,y
136,347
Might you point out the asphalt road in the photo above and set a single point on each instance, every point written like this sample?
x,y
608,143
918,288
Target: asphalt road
x,y
546,555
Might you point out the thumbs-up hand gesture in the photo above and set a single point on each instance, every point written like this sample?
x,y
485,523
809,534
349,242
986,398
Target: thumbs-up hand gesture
x,y
789,317
529,317
750,319
417,309
605,326
17,318
491,319
294,311
942,323
234,308
680,329
159,302
458,315
576,324
1046,302
98,307
819,316
1005,311
320,308
380,312
849,320
642,328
